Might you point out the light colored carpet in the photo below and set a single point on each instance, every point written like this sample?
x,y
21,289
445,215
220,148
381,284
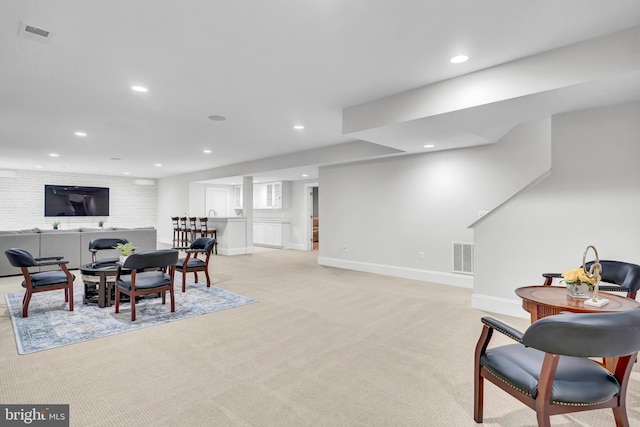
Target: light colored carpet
x,y
324,347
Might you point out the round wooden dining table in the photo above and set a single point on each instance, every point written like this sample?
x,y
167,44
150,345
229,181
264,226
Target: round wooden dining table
x,y
542,301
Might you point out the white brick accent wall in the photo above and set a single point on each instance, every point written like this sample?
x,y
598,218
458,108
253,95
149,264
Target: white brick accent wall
x,y
22,201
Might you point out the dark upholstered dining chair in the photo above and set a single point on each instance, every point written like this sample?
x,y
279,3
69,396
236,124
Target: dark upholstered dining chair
x,y
616,276
549,367
146,273
44,280
192,263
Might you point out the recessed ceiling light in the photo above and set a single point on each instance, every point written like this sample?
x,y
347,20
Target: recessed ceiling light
x,y
206,151
53,155
158,164
139,89
80,133
217,118
304,175
127,173
38,167
459,59
298,127
429,146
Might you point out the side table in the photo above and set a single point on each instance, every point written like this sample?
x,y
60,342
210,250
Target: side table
x,y
542,301
102,274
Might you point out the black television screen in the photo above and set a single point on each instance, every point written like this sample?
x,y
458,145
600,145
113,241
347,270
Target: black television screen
x,y
68,200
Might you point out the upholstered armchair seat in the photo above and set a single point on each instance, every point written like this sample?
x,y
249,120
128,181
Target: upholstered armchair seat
x,y
146,280
193,263
519,367
46,278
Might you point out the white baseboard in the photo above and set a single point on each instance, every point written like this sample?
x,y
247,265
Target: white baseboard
x,y
497,305
452,279
235,251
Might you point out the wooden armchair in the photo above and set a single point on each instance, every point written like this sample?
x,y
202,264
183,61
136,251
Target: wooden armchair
x,y
192,263
102,244
44,280
145,273
616,276
549,368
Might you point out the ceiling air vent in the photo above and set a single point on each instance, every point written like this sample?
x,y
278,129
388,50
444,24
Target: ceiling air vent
x,y
37,31
32,32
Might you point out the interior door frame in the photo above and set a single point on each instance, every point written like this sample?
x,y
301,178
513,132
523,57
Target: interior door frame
x,y
308,188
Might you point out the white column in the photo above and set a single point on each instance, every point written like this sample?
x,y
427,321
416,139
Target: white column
x,y
247,209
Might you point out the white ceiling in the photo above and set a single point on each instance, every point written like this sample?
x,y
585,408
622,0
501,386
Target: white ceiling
x,y
264,65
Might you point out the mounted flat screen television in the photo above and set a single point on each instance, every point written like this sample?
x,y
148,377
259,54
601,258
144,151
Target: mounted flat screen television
x,y
68,200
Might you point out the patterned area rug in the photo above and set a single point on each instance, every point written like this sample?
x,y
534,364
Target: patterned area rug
x,y
50,323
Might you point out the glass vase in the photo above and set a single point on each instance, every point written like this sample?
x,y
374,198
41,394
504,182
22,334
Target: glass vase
x,y
578,290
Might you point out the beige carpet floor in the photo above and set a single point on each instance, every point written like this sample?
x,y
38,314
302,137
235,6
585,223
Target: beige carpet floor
x,y
322,347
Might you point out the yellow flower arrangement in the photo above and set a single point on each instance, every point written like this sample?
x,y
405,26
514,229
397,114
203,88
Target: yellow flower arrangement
x,y
577,275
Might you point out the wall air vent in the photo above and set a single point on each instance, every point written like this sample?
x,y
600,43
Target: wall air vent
x,y
462,258
32,32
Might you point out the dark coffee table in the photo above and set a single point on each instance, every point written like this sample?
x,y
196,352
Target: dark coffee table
x,y
103,275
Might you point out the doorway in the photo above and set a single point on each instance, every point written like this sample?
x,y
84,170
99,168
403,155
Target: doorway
x,y
313,215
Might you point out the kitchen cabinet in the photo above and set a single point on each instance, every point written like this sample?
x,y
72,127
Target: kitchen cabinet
x,y
271,232
274,195
267,195
237,196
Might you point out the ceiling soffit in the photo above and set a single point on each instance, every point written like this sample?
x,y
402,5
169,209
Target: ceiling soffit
x,y
480,107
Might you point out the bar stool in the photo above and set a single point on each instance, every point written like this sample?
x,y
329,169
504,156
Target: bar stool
x,y
176,231
205,231
183,232
193,228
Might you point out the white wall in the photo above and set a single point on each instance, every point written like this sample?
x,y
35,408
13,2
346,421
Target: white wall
x,y
173,200
198,199
22,206
591,197
386,211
